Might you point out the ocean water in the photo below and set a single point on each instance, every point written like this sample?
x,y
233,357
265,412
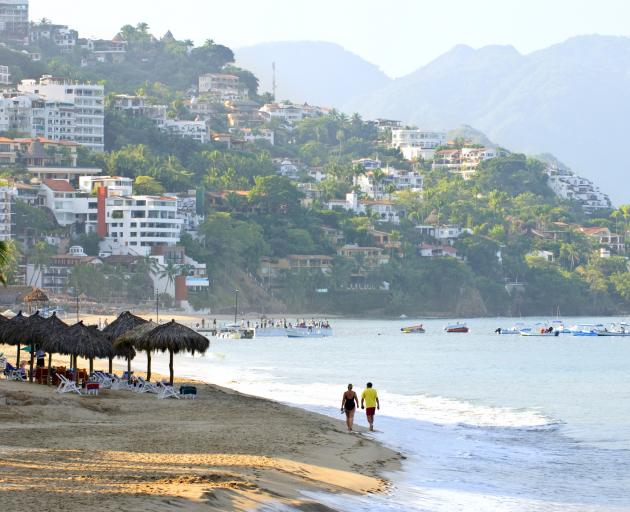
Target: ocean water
x,y
486,422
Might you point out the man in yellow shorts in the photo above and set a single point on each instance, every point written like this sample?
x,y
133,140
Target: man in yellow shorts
x,y
369,402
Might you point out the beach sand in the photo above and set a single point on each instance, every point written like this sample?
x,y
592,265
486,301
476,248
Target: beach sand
x,y
128,451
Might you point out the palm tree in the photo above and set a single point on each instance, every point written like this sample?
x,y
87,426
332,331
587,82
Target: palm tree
x,y
7,259
169,272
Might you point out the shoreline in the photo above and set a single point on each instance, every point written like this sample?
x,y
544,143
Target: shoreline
x,y
224,451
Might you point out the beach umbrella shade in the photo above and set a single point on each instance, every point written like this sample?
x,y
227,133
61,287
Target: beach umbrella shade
x,y
126,321
34,296
127,342
49,335
17,331
87,342
173,337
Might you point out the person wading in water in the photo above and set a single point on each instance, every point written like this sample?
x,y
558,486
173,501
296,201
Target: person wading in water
x,y
349,404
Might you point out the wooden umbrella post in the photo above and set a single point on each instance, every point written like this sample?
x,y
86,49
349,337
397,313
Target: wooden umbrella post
x,y
129,370
91,365
170,364
30,377
49,377
111,365
148,366
17,357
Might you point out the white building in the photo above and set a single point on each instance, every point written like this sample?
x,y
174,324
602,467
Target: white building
x,y
138,106
5,75
6,198
415,143
64,38
14,25
87,99
53,120
369,164
567,185
392,180
16,114
445,233
383,210
115,185
252,135
137,223
464,161
290,112
69,206
287,168
222,86
196,130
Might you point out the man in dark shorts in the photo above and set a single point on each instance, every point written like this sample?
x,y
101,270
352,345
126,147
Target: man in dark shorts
x,y
369,402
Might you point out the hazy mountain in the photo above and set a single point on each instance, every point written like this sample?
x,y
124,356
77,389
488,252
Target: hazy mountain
x,y
571,99
316,72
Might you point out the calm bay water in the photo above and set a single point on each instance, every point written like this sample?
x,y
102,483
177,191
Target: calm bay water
x,y
487,422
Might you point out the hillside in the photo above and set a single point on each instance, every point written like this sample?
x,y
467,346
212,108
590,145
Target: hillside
x,y
570,99
316,72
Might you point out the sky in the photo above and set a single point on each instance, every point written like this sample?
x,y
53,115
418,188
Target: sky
x,y
399,36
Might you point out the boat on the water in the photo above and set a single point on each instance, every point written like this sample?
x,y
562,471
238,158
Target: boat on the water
x,y
586,329
621,329
456,328
413,329
310,331
235,332
534,332
515,329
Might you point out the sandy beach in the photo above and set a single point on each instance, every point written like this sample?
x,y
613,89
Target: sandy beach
x,y
128,451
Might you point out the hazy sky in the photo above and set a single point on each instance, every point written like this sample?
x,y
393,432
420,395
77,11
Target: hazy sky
x,y
397,35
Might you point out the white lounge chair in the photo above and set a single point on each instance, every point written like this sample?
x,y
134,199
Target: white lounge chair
x,y
166,391
67,386
142,386
118,383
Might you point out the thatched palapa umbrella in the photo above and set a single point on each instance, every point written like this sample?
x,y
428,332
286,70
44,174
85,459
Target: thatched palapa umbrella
x,y
50,334
126,321
175,338
16,331
85,342
127,342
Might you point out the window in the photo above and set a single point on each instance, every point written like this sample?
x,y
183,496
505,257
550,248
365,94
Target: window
x,y
138,214
117,214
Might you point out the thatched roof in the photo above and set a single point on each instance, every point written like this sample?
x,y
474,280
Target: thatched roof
x,y
130,338
173,337
125,322
50,333
16,331
35,295
85,342
3,319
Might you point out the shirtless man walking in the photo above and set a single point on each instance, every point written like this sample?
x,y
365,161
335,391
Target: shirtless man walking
x,y
369,402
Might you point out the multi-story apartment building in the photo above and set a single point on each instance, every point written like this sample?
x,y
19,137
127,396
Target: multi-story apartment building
x,y
70,206
5,75
115,185
137,223
64,38
417,144
379,186
16,114
567,185
14,23
6,198
53,120
222,86
290,112
464,161
382,209
196,130
88,102
138,106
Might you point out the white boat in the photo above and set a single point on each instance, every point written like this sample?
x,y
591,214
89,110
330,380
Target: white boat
x,y
586,329
515,329
622,329
309,332
534,332
558,325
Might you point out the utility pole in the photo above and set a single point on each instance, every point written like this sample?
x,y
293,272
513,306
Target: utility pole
x,y
235,305
157,306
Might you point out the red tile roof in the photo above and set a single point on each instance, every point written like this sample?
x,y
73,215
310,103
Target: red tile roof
x,y
59,185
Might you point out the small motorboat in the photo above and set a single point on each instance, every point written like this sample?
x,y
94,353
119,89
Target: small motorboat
x,y
515,329
587,329
621,329
413,329
534,332
456,328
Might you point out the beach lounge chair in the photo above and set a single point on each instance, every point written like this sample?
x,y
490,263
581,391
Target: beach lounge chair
x,y
67,386
119,383
142,386
104,379
166,391
18,374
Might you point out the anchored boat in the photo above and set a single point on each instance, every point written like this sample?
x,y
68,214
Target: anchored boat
x,y
456,328
413,329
